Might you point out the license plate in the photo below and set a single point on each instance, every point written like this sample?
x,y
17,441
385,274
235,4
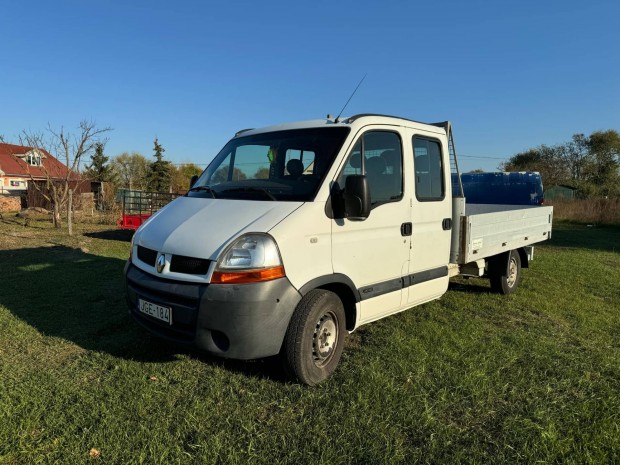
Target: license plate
x,y
156,311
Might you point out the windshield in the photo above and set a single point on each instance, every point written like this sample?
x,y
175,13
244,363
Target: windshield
x,y
283,165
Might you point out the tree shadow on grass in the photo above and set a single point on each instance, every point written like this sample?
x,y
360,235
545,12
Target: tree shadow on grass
x,y
123,235
573,235
80,297
25,222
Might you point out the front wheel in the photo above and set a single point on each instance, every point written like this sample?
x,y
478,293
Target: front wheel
x,y
315,337
505,278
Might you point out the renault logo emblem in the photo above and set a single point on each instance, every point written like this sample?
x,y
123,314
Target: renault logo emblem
x,y
161,262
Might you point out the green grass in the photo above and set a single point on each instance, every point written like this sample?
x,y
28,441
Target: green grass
x,y
471,378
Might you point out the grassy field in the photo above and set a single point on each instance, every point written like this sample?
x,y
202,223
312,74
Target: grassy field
x,y
471,378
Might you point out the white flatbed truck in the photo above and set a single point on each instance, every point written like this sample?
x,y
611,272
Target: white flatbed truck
x,y
296,234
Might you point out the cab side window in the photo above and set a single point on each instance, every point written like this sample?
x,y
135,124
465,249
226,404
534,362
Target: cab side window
x,y
428,163
383,165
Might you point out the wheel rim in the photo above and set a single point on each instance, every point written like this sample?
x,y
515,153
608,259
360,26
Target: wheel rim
x,y
325,339
511,279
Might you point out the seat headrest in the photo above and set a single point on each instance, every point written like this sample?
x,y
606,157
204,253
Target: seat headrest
x,y
375,165
295,167
391,157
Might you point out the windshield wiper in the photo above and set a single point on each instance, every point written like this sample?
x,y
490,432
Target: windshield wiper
x,y
203,188
253,189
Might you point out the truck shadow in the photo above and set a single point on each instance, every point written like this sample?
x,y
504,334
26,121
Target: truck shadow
x,y
67,293
471,286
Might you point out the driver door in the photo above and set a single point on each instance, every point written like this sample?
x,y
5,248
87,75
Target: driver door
x,y
374,253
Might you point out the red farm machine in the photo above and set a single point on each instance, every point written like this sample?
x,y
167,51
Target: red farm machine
x,y
138,206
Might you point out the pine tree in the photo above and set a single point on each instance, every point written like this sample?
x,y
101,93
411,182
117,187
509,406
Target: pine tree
x,y
159,170
99,170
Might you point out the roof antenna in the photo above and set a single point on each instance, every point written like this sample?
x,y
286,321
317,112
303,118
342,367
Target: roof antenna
x,y
345,105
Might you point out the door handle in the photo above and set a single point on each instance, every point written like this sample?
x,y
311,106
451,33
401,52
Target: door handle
x,y
446,224
406,229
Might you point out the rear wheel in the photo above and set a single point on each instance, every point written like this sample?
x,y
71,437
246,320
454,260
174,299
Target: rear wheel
x,y
505,278
315,337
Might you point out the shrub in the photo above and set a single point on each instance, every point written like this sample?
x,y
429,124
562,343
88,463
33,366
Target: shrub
x,y
593,210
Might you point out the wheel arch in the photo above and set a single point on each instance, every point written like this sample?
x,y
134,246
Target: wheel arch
x,y
525,263
498,271
343,287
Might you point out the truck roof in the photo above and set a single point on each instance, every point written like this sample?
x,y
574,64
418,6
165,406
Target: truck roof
x,y
355,121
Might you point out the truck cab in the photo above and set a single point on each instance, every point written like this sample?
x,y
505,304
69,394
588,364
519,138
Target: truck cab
x,y
296,234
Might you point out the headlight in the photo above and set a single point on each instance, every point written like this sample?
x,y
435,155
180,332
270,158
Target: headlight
x,y
251,258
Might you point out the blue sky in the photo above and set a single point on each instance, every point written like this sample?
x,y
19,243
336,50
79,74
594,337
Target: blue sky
x,y
509,75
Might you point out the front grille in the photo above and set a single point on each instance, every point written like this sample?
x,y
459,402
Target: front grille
x,y
147,256
178,263
189,265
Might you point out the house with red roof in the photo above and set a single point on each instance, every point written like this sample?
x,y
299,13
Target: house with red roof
x,y
19,165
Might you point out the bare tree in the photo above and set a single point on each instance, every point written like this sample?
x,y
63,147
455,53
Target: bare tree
x,y
69,149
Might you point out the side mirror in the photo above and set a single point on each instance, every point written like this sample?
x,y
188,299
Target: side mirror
x,y
193,180
356,197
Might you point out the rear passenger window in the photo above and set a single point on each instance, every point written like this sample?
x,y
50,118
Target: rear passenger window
x,y
429,182
306,157
383,165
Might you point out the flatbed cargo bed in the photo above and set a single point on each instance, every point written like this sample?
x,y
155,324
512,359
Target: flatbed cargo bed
x,y
488,229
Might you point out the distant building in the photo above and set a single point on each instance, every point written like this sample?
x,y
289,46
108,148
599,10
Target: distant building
x,y
561,192
19,165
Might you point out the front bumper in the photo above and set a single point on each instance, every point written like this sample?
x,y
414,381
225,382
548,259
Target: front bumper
x,y
240,321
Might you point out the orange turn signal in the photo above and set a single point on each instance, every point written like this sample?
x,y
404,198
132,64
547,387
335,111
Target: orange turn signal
x,y
244,277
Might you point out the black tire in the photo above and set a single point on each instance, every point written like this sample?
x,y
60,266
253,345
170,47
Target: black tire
x,y
315,337
505,277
